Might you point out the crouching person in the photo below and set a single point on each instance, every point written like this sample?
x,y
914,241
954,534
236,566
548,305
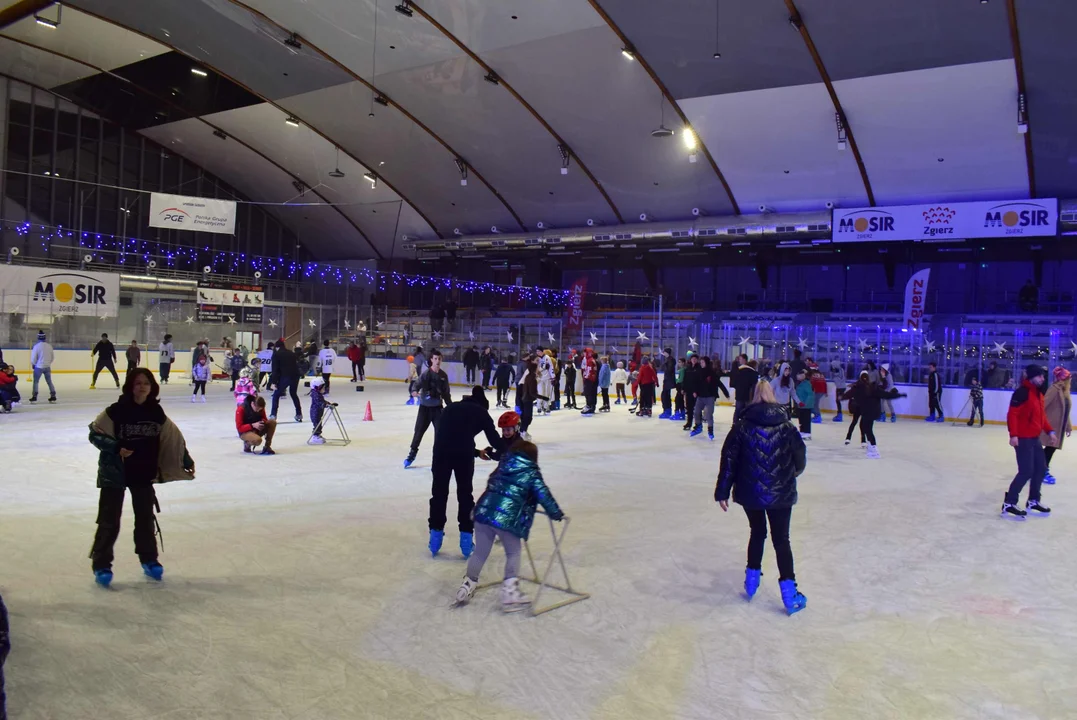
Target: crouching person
x,y
253,427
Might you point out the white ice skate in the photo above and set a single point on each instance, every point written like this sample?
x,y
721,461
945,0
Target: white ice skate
x,y
526,436
194,398
512,600
203,398
466,591
873,452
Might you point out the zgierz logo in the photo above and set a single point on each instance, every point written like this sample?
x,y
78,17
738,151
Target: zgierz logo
x,y
174,215
865,223
69,289
1014,217
936,217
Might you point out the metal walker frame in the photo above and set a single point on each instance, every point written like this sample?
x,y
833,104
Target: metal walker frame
x,y
331,411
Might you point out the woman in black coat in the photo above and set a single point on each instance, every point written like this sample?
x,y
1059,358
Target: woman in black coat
x,y
762,456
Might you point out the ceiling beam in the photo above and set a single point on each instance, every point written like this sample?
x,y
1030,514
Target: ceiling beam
x,y
1019,66
179,108
519,98
796,18
669,98
22,9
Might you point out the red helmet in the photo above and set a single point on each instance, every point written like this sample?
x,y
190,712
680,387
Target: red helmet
x,y
508,419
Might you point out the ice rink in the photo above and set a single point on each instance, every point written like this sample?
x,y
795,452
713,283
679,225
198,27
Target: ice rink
x,y
299,586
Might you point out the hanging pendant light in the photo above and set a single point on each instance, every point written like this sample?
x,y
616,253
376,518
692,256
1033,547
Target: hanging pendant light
x,y
662,131
336,173
717,52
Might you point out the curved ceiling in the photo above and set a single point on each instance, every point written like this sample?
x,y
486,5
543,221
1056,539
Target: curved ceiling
x,y
928,88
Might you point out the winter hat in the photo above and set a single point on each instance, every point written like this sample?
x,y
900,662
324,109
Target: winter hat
x,y
885,366
1033,371
620,364
1061,374
41,336
316,383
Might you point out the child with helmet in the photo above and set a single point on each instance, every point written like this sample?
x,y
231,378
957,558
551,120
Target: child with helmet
x,y
506,510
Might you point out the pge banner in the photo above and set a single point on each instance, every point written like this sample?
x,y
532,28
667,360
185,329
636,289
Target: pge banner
x,y
942,221
576,294
179,212
47,291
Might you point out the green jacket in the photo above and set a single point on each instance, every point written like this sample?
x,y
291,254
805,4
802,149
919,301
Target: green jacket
x,y
514,490
805,395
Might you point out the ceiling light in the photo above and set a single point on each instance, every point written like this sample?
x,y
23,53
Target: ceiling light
x,y
492,78
291,121
566,157
629,55
46,22
689,138
199,72
220,133
661,132
372,178
462,167
292,41
381,100
404,9
336,173
717,56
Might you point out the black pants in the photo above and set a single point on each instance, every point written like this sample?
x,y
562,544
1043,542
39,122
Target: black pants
x,y
646,397
1031,467
852,426
621,397
570,393
362,369
556,393
606,398
804,418
469,375
678,400
779,537
978,406
355,370
326,377
165,370
503,394
527,413
288,384
867,429
667,397
590,394
235,379
103,364
426,417
935,405
691,400
738,409
199,385
1048,453
109,513
443,468
486,378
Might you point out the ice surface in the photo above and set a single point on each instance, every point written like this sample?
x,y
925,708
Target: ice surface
x,y
299,586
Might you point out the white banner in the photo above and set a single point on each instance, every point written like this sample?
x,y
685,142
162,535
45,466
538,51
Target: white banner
x,y
46,291
915,301
180,212
942,221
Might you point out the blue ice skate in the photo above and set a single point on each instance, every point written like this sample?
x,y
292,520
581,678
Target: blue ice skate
x,y
792,598
751,581
882,417
153,570
893,417
696,431
1048,479
408,461
710,433
666,414
102,577
467,543
436,537
411,401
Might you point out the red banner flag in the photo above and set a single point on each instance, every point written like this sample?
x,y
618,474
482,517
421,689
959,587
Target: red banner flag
x,y
575,302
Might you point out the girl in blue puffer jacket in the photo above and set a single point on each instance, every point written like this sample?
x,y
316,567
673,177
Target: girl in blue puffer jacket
x,y
506,511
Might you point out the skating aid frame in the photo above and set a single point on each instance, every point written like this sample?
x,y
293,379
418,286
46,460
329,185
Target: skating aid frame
x,y
331,409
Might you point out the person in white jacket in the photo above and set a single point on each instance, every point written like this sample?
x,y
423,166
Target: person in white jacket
x,y
620,379
326,357
41,357
166,355
545,380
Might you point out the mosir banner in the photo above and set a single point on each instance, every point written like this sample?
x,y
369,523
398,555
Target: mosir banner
x,y
45,291
942,221
575,302
915,301
179,212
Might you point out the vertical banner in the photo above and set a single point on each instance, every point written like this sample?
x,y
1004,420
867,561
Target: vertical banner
x,y
575,303
915,301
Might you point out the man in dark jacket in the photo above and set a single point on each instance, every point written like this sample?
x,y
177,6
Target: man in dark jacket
x,y
934,394
1026,420
106,358
455,453
692,384
134,356
433,390
669,381
743,379
285,377
486,364
797,363
471,363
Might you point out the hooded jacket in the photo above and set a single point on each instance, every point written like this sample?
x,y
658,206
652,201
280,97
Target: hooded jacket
x,y
514,491
783,395
761,458
604,376
647,375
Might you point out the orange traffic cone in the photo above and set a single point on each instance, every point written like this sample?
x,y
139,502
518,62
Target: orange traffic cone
x,y
369,416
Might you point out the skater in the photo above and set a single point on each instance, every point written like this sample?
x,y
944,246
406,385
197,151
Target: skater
x,y
327,356
245,386
589,371
669,381
570,381
934,394
486,364
707,386
41,357
106,359
265,364
166,355
886,383
200,376
454,454
503,378
604,377
433,391
236,365
784,388
420,360
867,397
743,379
819,390
545,380
285,376
797,364
854,410
678,402
693,377
413,382
253,426
134,356
761,458
648,384
976,398
837,373
139,446
318,390
9,392
529,394
505,511
803,399
620,379
1027,421
1057,405
471,364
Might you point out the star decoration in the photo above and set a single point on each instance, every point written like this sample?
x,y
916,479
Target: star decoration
x,y
1000,348
550,335
1074,344
471,335
692,342
347,325
103,317
802,343
272,322
594,338
310,321
190,319
15,309
929,346
508,334
641,336
437,334
744,341
149,318
862,343
378,325
613,349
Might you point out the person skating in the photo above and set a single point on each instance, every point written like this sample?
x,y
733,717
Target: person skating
x,y
354,354
868,399
976,399
556,403
200,376
678,404
743,379
604,378
471,364
1058,406
106,360
529,394
139,446
504,377
166,355
669,381
253,427
133,355
707,386
486,365
285,377
265,364
761,458
1027,420
41,357
589,372
886,383
784,387
327,356
819,390
413,382
934,394
693,377
804,397
506,510
454,454
433,393
236,364
648,383
619,378
570,382
544,379
837,374
318,391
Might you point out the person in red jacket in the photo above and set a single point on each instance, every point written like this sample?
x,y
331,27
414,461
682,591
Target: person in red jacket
x,y
252,425
1026,419
589,371
648,382
354,353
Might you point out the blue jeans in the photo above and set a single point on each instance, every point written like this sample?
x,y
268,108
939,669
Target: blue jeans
x,y
47,372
